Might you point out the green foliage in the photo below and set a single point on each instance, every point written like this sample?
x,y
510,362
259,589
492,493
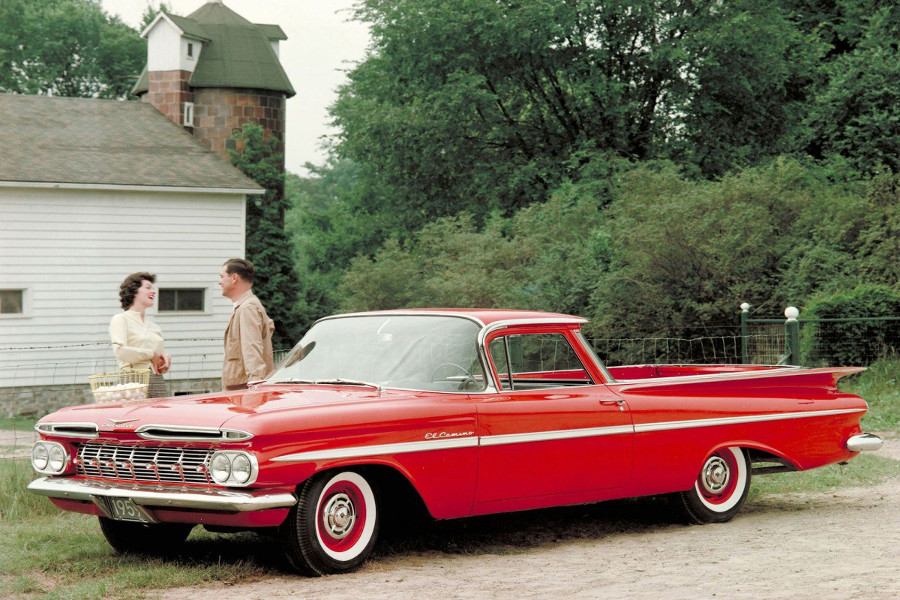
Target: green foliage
x,y
545,257
686,254
854,342
268,245
67,48
856,115
879,386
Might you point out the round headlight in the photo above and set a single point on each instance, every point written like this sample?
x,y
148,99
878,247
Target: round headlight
x,y
57,458
40,456
241,468
220,468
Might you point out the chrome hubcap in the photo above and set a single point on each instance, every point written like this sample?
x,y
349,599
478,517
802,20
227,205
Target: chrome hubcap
x,y
339,516
715,475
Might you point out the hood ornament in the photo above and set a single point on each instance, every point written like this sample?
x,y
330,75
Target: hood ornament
x,y
120,421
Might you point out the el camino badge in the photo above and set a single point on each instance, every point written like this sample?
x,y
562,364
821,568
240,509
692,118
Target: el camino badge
x,y
117,422
444,435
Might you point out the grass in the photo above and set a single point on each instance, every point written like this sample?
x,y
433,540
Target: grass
x,y
880,387
18,423
866,470
66,556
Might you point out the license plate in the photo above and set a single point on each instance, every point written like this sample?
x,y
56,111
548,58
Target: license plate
x,y
124,509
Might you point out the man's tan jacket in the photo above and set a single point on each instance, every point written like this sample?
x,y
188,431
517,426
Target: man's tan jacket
x,y
248,343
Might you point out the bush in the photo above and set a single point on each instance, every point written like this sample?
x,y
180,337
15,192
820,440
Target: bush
x,y
860,341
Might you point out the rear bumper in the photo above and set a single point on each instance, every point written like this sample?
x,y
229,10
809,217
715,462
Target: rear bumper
x,y
864,442
156,497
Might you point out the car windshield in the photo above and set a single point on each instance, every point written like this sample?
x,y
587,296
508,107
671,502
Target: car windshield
x,y
420,352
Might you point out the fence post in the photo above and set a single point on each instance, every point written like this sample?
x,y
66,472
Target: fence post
x,y
792,335
745,313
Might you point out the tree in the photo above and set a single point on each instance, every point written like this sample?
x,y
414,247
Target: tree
x,y
268,246
485,106
67,48
856,116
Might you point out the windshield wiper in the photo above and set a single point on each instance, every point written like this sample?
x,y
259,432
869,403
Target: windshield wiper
x,y
341,381
335,381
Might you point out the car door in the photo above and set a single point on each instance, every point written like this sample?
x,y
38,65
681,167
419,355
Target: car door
x,y
552,430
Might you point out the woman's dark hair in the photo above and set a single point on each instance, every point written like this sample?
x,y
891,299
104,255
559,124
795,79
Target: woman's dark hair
x,y
131,285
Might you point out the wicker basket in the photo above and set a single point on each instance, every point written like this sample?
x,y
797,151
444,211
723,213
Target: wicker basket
x,y
118,386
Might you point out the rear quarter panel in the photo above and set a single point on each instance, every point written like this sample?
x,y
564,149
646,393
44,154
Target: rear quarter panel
x,y
800,417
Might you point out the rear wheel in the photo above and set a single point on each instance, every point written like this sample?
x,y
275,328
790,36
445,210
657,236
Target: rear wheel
x,y
334,525
141,538
720,489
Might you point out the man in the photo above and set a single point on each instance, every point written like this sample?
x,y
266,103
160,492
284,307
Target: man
x,y
248,337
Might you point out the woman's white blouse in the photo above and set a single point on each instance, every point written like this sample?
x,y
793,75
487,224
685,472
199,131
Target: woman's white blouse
x,y
134,340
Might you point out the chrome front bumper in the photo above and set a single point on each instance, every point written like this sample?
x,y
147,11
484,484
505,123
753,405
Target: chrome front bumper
x,y
864,442
157,497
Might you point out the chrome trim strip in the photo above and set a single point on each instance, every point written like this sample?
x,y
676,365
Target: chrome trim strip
x,y
52,428
864,442
625,384
360,451
695,423
542,436
69,489
562,434
182,433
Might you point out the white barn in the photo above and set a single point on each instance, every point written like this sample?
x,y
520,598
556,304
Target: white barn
x,y
90,191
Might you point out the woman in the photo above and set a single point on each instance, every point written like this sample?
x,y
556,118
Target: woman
x,y
137,341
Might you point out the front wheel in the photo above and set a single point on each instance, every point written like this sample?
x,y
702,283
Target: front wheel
x,y
141,538
334,525
720,489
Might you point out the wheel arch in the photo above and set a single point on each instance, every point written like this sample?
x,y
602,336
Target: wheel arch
x,y
393,487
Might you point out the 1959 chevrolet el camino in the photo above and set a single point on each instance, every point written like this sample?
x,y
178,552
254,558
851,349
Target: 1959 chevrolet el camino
x,y
469,412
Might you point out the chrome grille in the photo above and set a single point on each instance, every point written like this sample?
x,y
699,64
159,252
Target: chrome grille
x,y
165,464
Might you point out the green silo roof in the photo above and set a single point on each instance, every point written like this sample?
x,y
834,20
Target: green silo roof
x,y
236,53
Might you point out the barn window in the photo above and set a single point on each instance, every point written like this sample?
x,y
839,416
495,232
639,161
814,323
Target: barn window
x,y
190,50
182,299
12,302
188,114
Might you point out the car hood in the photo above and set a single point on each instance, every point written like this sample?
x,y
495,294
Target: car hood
x,y
217,409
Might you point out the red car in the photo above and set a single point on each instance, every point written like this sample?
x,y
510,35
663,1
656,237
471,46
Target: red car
x,y
470,412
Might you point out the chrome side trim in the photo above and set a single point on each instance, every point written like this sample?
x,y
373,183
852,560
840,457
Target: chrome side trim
x,y
227,500
542,436
360,451
73,430
562,434
694,423
864,442
188,433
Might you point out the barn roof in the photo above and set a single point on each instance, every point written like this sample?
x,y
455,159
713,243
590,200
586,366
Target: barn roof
x,y
81,141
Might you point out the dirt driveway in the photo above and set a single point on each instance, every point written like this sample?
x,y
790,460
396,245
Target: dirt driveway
x,y
812,546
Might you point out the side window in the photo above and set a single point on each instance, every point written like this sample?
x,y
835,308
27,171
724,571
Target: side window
x,y
12,302
181,299
538,360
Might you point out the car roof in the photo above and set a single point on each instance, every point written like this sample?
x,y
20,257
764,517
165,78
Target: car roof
x,y
485,316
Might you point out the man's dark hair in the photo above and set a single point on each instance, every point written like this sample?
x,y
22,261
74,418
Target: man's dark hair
x,y
131,285
243,269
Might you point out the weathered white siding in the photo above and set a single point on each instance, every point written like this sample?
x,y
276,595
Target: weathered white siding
x,y
71,248
167,50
